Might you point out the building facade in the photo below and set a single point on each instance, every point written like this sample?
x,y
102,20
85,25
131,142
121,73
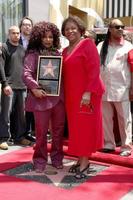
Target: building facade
x,y
12,11
95,13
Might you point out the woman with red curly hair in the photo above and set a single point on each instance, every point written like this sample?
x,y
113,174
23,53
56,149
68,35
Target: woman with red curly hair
x,y
44,40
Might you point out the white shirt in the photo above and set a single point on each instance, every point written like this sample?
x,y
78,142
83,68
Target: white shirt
x,y
24,41
116,73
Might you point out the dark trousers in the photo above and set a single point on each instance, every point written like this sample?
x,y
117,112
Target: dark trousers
x,y
12,105
30,124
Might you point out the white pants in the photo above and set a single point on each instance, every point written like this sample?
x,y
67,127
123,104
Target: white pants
x,y
124,121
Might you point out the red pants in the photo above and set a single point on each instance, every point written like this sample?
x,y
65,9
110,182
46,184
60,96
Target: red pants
x,y
57,117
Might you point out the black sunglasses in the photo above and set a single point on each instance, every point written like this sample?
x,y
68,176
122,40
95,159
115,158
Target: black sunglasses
x,y
118,26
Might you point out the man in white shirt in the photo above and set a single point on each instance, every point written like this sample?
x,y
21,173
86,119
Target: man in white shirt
x,y
117,73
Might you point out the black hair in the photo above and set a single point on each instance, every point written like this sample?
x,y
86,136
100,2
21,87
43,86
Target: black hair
x,y
80,24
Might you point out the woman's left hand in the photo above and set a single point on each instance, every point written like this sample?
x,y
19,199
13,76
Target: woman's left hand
x,y
85,98
39,93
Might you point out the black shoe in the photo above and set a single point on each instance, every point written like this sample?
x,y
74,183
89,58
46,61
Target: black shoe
x,y
10,141
105,150
81,174
31,138
74,168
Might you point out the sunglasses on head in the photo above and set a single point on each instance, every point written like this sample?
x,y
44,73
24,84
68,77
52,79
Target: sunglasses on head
x,y
118,26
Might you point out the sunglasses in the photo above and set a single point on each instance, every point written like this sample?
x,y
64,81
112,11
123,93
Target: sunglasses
x,y
118,27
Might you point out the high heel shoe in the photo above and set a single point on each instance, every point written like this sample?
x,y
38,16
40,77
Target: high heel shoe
x,y
81,174
74,168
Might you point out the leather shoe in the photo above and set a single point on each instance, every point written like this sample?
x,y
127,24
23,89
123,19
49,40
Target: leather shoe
x,y
23,142
31,138
105,150
125,153
4,146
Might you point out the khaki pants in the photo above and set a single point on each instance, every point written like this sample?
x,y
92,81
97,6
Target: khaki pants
x,y
124,121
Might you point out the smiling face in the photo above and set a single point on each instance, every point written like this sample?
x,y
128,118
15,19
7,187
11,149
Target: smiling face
x,y
47,40
116,29
72,32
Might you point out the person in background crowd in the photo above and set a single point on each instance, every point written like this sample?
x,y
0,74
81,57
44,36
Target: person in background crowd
x,y
90,34
26,25
117,73
128,36
83,94
13,89
44,41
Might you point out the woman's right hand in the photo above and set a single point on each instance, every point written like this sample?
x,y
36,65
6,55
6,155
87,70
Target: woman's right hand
x,y
39,93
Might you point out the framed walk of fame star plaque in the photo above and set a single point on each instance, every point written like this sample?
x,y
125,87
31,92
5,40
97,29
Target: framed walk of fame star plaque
x,y
49,74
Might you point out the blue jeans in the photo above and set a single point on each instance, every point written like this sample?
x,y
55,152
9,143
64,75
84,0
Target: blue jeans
x,y
12,105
